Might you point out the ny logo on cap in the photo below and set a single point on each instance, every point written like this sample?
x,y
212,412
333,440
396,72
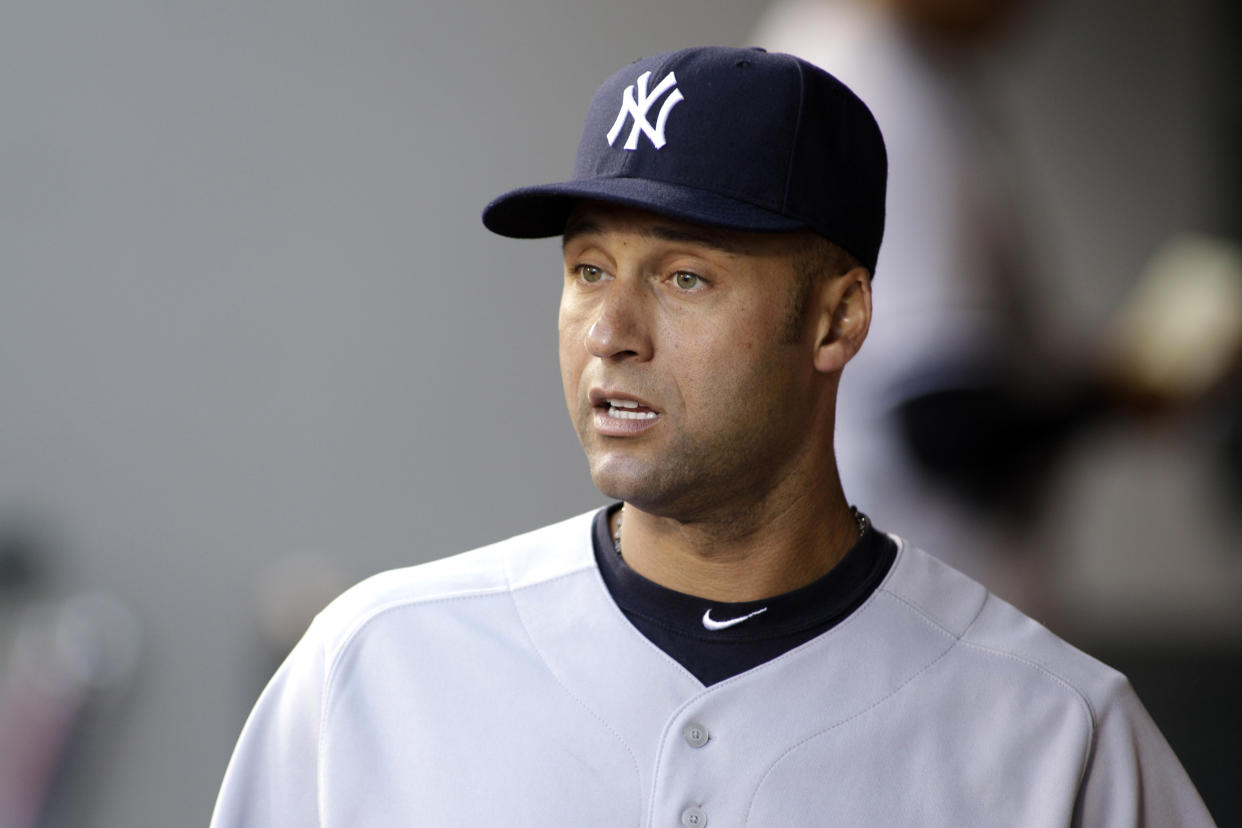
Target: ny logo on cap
x,y
639,108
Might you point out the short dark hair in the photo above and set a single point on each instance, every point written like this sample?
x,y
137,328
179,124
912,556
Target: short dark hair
x,y
815,258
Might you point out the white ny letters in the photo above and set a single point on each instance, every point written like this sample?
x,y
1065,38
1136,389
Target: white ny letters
x,y
639,108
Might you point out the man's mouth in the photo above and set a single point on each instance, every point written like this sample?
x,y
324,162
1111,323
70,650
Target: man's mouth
x,y
628,410
622,416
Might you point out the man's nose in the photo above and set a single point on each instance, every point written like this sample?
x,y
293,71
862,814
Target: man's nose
x,y
621,328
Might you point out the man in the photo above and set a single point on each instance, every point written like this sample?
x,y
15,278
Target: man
x,y
734,645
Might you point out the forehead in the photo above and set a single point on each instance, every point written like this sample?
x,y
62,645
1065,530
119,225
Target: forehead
x,y
591,219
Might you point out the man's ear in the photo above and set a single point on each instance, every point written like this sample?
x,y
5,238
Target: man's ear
x,y
844,317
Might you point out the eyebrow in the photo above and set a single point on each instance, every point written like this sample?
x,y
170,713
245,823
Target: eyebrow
x,y
577,227
721,240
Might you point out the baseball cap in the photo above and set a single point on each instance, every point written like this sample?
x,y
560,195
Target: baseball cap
x,y
741,139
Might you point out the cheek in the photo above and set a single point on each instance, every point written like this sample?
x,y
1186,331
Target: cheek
x,y
703,365
571,350
570,315
564,323
738,364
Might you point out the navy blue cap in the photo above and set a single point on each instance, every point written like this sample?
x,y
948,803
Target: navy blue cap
x,y
736,138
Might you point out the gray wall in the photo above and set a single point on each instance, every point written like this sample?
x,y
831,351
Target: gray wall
x,y
248,312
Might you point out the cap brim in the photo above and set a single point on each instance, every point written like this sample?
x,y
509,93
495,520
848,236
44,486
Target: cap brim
x,y
541,211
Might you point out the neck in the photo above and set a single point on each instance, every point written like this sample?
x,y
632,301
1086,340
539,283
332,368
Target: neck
x,y
775,549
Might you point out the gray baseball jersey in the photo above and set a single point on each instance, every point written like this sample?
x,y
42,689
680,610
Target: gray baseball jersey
x,y
504,687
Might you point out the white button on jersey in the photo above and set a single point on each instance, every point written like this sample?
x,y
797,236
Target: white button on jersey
x,y
696,735
694,817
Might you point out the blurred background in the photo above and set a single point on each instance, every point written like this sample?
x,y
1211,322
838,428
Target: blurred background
x,y
255,345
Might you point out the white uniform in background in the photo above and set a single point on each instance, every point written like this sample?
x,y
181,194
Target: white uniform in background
x,y
951,272
503,687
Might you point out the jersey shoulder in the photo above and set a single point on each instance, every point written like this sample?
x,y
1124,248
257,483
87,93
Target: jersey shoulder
x,y
995,631
538,556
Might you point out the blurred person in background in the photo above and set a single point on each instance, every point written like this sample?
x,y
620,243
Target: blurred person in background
x,y
961,404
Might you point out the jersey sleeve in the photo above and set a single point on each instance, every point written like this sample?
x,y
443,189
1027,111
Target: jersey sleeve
x,y
272,778
1133,779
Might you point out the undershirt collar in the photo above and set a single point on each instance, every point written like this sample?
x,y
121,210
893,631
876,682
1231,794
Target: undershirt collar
x,y
675,621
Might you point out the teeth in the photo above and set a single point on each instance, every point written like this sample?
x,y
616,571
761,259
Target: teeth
x,y
631,415
628,410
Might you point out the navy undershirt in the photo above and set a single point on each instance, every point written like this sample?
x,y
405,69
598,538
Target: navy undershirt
x,y
673,621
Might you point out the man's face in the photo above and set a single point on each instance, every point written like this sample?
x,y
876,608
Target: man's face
x,y
684,384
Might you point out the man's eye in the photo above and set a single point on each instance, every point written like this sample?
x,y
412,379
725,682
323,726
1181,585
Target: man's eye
x,y
589,273
686,280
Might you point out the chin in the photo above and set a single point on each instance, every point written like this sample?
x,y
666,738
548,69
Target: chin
x,y
645,492
622,479
616,486
655,485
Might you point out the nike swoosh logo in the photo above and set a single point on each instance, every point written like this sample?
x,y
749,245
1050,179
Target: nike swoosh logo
x,y
713,625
